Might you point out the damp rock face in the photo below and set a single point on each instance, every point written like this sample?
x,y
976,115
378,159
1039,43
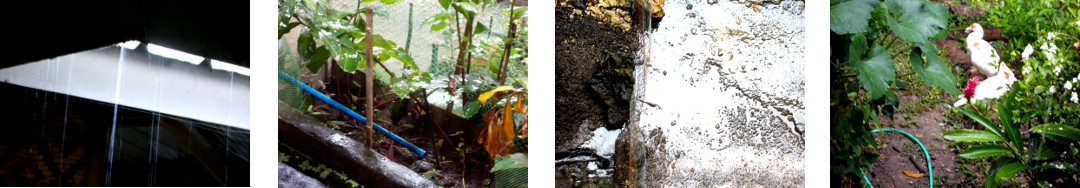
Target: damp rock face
x,y
719,101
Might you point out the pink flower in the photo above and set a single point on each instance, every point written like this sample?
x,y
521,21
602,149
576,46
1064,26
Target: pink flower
x,y
970,89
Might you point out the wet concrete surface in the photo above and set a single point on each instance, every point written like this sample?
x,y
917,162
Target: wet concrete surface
x,y
720,100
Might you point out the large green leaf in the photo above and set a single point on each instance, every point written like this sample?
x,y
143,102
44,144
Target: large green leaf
x,y
969,135
982,120
389,2
401,55
512,161
337,14
986,150
857,48
913,20
351,61
877,73
933,71
991,177
467,8
285,28
850,16
1007,171
318,60
445,4
305,45
1005,117
1054,129
471,108
520,12
438,27
480,28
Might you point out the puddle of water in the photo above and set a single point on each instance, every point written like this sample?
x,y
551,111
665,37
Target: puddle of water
x,y
727,84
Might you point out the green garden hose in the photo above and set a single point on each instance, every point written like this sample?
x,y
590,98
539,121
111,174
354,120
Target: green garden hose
x,y
928,164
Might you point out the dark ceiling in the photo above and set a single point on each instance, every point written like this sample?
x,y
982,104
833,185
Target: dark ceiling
x,y
47,29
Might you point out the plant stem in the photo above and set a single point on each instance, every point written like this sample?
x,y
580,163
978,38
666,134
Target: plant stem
x,y
370,80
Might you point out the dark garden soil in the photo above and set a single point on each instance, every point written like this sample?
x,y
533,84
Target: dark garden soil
x,y
402,118
586,45
898,153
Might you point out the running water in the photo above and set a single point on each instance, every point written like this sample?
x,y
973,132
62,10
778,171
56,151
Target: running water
x,y
116,108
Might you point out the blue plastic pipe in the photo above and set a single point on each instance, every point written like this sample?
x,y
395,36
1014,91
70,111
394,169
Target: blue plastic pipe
x,y
352,113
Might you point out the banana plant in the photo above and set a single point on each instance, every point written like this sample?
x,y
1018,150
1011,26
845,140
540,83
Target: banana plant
x,y
1005,144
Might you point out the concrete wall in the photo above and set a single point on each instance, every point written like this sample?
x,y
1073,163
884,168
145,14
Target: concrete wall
x,y
147,81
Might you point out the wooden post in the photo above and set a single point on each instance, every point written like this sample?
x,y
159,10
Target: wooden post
x,y
370,73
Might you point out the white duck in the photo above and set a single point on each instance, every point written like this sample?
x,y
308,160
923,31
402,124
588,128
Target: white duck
x,y
982,54
992,87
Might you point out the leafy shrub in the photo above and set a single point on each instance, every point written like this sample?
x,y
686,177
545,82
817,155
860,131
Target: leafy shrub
x,y
863,70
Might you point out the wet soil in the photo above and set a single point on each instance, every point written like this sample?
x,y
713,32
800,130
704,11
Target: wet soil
x,y
900,153
586,47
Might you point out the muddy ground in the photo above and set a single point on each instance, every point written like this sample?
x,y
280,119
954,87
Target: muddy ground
x,y
898,153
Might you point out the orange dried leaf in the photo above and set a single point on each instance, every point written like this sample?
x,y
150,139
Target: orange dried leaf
x,y
913,174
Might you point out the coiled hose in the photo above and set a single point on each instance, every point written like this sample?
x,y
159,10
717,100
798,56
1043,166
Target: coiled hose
x,y
928,164
352,113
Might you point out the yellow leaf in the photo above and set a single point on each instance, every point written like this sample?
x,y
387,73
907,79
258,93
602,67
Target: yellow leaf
x,y
484,97
913,174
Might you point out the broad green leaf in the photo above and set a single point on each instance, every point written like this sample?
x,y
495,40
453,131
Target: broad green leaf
x,y
969,135
401,55
1054,129
484,97
512,161
439,26
857,48
305,45
850,16
360,25
877,73
471,108
986,123
933,71
1046,151
445,4
995,168
318,60
282,29
520,12
351,61
986,150
1005,117
1007,171
389,2
337,14
912,20
480,28
466,8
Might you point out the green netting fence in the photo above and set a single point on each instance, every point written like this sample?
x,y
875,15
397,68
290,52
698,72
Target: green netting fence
x,y
433,52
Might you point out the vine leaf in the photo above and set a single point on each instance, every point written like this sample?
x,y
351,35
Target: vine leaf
x,y
877,73
933,71
915,20
850,16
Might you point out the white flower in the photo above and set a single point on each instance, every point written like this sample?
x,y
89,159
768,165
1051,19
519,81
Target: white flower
x,y
1052,90
1078,23
1068,85
1026,70
1027,51
1073,98
1057,70
1043,47
1050,35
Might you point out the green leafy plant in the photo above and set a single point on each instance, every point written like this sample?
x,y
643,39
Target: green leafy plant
x,y
335,34
864,70
1006,146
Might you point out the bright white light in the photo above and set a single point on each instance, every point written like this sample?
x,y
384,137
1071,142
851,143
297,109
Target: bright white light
x,y
215,64
130,45
170,53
